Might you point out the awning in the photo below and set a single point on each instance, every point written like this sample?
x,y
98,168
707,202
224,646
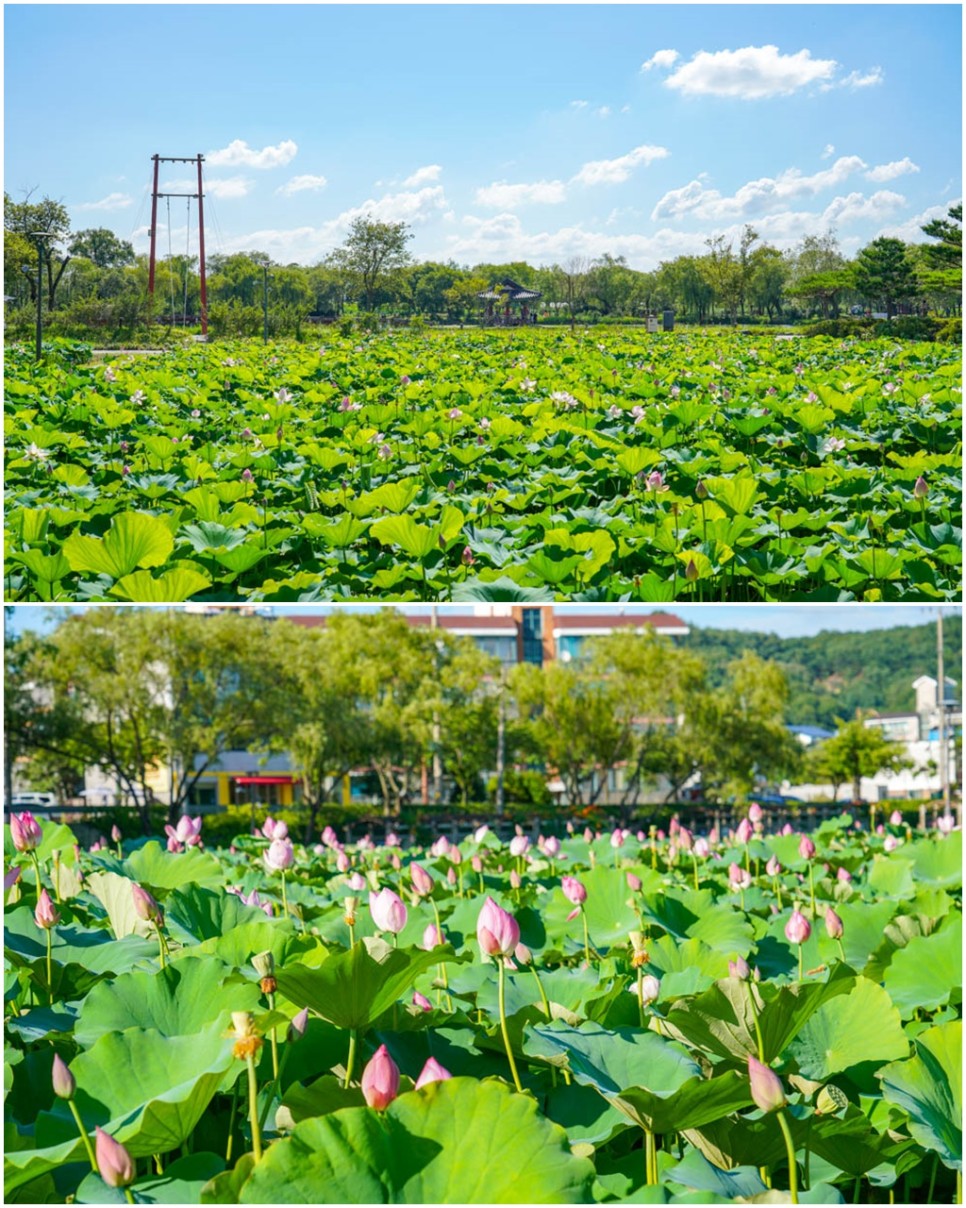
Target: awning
x,y
264,779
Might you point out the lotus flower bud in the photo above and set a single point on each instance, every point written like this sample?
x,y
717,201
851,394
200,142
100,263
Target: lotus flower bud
x,y
773,868
921,489
617,838
895,818
833,924
432,1071
701,491
476,864
739,968
701,848
523,955
392,839
388,911
280,854
145,906
588,835
573,890
440,847
713,836
634,883
422,881
268,827
480,834
357,882
113,1161
744,831
650,989
497,931
432,938
380,1080
691,572
685,839
946,824
264,964
519,845
296,1029
738,877
806,848
395,861
421,1001
63,1080
798,928
451,876
514,879
342,862
890,843
755,813
46,914
25,831
787,828
766,1087
552,846
116,833
843,875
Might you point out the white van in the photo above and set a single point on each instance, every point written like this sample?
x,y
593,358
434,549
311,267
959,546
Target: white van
x,y
33,801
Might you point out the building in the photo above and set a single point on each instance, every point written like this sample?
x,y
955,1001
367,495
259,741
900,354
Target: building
x,y
508,304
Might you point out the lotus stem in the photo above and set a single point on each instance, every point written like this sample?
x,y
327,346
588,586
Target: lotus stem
x,y
231,1122
253,1108
505,1030
650,1158
932,1178
811,885
640,993
586,936
161,944
754,1016
351,1060
694,861
128,1196
284,896
801,963
274,1040
50,966
84,1134
790,1150
841,952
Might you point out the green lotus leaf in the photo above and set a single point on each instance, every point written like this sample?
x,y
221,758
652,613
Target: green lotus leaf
x,y
928,970
857,1029
151,866
929,1087
134,539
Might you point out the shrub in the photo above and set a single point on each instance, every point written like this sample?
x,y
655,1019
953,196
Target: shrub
x,y
951,332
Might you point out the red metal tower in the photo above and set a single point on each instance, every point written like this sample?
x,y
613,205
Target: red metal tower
x,y
180,159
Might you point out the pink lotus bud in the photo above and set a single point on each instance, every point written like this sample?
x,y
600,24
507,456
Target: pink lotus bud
x,y
113,1160
356,882
739,968
588,835
432,938
921,489
890,843
650,989
145,906
744,831
519,845
296,1029
380,1080
329,836
514,879
523,955
573,890
713,836
46,914
25,831
280,855
674,826
388,911
895,818
766,1087
422,881
421,1001
116,833
738,877
685,839
395,861
392,839
833,924
773,868
63,1080
451,876
787,828
342,862
476,864
454,854
798,928
945,824
843,875
633,883
755,813
617,838
701,848
480,834
432,1071
498,931
806,848
552,846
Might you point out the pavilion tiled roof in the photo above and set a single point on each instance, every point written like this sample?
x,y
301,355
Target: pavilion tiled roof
x,y
507,289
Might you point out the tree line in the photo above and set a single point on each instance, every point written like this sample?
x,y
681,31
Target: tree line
x,y
93,281
135,691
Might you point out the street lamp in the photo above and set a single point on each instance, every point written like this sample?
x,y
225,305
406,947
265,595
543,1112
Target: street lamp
x,y
263,264
40,236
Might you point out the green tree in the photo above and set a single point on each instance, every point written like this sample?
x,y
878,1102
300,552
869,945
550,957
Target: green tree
x,y
371,251
723,272
102,247
24,219
884,273
824,289
948,252
857,750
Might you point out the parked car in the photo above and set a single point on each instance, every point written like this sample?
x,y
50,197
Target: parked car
x,y
33,801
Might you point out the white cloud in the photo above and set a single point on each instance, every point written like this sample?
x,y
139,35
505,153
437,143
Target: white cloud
x,y
615,171
661,58
757,196
226,188
603,111
503,196
422,176
750,73
302,184
856,79
113,201
239,154
910,231
857,208
579,104
828,152
899,167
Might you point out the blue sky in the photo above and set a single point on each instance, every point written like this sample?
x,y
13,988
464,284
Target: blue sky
x,y
498,131
786,620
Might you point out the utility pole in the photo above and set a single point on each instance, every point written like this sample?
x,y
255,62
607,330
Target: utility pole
x,y
500,742
152,255
437,764
265,302
40,236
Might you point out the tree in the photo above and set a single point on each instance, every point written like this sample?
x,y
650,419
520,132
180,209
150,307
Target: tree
x,y
948,253
102,247
575,283
767,277
723,272
25,219
371,251
465,711
884,273
857,750
824,289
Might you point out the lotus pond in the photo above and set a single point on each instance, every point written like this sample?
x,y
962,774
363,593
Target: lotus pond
x,y
479,465
590,1018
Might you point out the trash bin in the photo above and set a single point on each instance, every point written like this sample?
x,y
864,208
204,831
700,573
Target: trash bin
x,y
669,320
652,323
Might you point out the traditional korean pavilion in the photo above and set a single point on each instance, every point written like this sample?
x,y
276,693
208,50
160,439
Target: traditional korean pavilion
x,y
509,304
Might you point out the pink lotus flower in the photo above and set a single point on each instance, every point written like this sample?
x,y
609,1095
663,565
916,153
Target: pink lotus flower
x,y
380,1080
145,906
650,989
439,848
388,911
833,924
766,1087
744,831
187,831
519,845
498,931
329,837
25,831
843,875
701,848
432,938
617,838
432,1071
946,824
738,877
773,868
798,928
739,968
46,914
116,834
357,882
633,883
422,881
174,844
280,855
480,834
895,818
551,846
392,839
63,1080
421,1001
755,813
890,843
806,848
113,1160
573,891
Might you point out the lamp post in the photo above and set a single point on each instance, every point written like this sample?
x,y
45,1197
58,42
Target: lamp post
x,y
263,264
40,236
